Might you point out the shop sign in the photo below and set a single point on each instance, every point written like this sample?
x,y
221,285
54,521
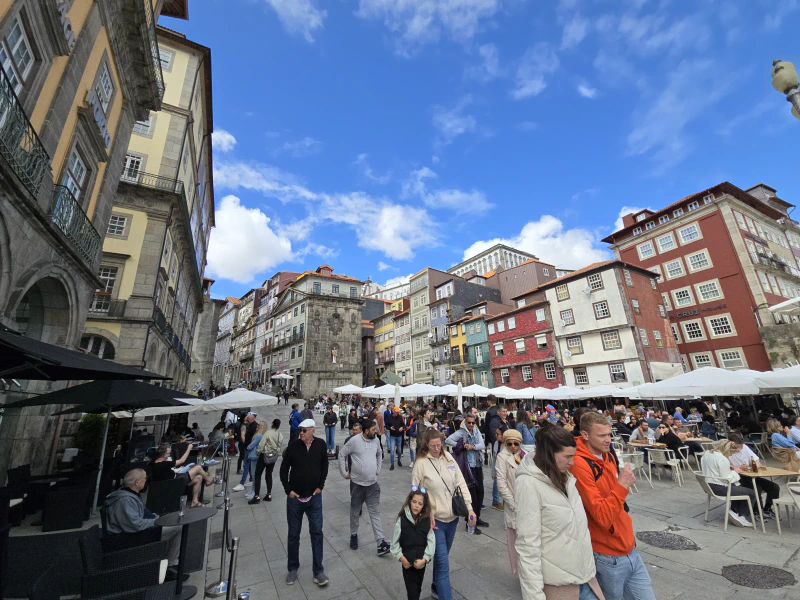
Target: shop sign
x,y
697,311
99,116
63,9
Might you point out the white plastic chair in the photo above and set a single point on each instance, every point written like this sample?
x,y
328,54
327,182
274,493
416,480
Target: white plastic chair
x,y
727,498
793,502
683,453
664,458
759,441
636,461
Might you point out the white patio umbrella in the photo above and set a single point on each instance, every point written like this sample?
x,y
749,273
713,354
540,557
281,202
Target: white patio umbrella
x,y
385,391
527,393
447,390
460,397
564,392
348,389
418,390
503,391
367,390
475,390
233,400
787,379
282,376
599,391
708,381
163,410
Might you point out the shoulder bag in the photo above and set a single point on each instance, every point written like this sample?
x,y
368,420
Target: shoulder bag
x,y
458,505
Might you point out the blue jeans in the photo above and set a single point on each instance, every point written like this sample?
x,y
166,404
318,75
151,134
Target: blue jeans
x,y
495,493
445,534
330,434
294,517
623,577
249,468
394,443
586,593
411,449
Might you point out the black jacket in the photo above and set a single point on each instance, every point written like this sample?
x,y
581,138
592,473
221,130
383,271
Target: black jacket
x,y
330,419
396,421
490,414
304,470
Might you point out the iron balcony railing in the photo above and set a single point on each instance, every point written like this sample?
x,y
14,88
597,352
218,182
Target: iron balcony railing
x,y
102,304
150,23
160,320
19,144
152,181
69,217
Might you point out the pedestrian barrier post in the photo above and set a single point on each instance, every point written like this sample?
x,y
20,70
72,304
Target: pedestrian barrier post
x,y
220,587
234,548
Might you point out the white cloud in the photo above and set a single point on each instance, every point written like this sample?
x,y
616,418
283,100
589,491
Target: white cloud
x,y
413,23
458,201
773,21
626,210
243,244
539,60
548,240
527,126
223,141
655,34
574,31
382,266
316,250
452,123
731,124
398,280
587,91
366,171
299,16
489,67
301,148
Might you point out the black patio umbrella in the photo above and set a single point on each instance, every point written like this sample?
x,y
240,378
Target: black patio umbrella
x,y
25,358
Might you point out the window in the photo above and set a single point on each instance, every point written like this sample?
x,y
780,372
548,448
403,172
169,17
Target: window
x,y
504,376
353,292
501,326
683,297
294,353
650,225
708,199
16,55
678,212
567,317
434,313
663,219
575,345
702,359
519,344
693,206
75,174
562,293
635,304
675,333
167,247
545,271
521,303
731,359
611,340
689,233
478,325
104,87
595,281
549,370
334,289
720,326
302,309
540,315
317,287
641,217
637,231
674,269
581,377
166,58
646,250
133,164
143,127
601,310
658,339
527,374
299,352
478,354
698,261
116,225
740,220
693,330
708,291
498,349
489,328
418,366
512,323
665,243
665,299
617,372
628,279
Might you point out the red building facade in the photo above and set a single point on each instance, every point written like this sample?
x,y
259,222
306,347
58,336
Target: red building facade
x,y
522,348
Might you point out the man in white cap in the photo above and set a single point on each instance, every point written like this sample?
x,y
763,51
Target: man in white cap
x,y
303,473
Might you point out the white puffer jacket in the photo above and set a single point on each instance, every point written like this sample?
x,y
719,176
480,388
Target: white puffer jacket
x,y
553,541
506,475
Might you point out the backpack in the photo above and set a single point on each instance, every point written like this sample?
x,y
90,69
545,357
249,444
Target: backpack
x,y
597,471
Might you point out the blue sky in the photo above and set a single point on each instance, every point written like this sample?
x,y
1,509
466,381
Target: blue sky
x,y
383,136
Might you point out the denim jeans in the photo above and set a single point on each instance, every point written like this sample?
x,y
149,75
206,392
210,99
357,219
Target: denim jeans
x,y
445,534
294,517
586,593
330,435
623,577
394,443
495,493
411,444
249,469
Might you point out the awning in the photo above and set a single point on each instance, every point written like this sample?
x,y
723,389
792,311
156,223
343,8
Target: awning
x,y
25,358
788,307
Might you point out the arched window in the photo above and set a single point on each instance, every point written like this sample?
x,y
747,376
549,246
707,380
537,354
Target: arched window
x,y
98,345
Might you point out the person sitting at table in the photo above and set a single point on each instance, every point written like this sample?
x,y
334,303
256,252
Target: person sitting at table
x,y
671,440
198,435
708,427
126,513
779,435
749,426
161,470
620,425
694,416
794,432
742,457
678,416
734,420
675,427
718,469
643,433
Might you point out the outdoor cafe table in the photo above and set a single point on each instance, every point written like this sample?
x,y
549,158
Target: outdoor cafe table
x,y
647,444
768,472
190,515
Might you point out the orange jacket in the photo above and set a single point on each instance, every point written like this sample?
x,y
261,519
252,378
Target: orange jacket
x,y
610,526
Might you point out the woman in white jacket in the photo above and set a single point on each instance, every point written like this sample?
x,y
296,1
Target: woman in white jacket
x,y
553,543
719,471
507,461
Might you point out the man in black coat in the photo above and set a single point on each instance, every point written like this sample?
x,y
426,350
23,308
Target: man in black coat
x,y
303,473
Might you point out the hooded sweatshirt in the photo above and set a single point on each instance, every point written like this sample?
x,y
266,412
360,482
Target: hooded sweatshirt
x,y
365,460
127,513
604,501
416,543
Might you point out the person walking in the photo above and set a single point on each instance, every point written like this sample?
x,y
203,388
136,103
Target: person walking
x,y
603,488
269,450
286,397
436,470
396,426
360,462
414,542
330,420
498,422
552,532
343,414
527,430
469,441
507,461
303,472
246,430
294,423
252,453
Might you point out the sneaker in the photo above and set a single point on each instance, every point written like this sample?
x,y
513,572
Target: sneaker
x,y
291,578
238,488
321,579
383,548
411,466
254,500
399,464
481,523
738,520
392,467
354,542
496,506
768,514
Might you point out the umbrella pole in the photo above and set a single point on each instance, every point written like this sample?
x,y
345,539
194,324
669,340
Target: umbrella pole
x,y
102,458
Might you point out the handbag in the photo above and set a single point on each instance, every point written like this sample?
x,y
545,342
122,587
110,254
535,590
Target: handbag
x,y
458,504
270,458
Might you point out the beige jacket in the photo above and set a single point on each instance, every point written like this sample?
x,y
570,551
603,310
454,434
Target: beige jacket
x,y
438,483
553,541
506,474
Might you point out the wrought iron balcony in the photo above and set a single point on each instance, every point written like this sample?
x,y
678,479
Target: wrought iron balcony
x,y
171,185
19,144
150,22
69,217
159,319
102,304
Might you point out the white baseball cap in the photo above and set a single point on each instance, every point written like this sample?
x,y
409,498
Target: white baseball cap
x,y
308,423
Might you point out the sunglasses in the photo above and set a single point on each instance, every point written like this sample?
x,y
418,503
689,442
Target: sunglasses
x,y
416,488
302,430
509,444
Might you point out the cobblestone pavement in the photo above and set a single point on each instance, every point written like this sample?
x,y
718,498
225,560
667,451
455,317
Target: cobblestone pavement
x,y
479,564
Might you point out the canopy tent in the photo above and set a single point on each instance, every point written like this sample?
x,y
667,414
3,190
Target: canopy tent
x,y
385,391
418,390
26,358
599,391
708,381
788,307
476,390
504,392
781,380
563,392
282,376
449,389
234,400
368,390
348,389
187,405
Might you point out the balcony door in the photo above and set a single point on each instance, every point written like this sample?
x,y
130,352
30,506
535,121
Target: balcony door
x,y
133,167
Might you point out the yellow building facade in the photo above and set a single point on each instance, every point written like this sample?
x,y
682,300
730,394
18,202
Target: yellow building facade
x,y
384,342
458,352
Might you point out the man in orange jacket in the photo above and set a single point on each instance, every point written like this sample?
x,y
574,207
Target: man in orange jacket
x,y
603,489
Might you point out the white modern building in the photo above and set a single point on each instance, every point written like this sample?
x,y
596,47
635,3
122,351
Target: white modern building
x,y
484,262
396,292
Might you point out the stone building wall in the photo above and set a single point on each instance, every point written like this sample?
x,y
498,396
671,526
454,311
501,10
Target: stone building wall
x,y
782,343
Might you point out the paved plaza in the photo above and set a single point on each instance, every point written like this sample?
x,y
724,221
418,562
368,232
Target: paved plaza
x,y
479,564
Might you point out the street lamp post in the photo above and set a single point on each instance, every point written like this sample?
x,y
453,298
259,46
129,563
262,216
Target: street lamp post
x,y
784,79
